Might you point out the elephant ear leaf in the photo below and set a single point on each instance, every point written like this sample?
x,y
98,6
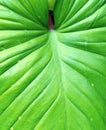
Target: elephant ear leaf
x,y
53,79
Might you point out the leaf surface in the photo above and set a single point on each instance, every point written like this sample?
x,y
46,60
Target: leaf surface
x,y
53,79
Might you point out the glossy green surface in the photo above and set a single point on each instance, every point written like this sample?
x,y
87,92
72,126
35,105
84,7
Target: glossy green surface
x,y
53,79
51,4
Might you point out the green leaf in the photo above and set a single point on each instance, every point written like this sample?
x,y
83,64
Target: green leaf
x,y
52,79
51,4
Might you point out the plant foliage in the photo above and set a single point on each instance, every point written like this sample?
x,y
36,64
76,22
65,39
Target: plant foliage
x,y
53,79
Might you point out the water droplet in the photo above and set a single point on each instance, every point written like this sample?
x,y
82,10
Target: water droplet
x,y
19,118
92,84
91,119
11,128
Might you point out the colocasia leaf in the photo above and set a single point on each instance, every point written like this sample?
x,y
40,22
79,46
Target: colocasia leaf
x,y
53,78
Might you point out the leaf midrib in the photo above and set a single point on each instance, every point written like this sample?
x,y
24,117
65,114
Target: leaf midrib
x,y
54,42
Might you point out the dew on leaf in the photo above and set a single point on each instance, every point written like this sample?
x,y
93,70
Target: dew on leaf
x,y
91,119
19,118
92,84
11,128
